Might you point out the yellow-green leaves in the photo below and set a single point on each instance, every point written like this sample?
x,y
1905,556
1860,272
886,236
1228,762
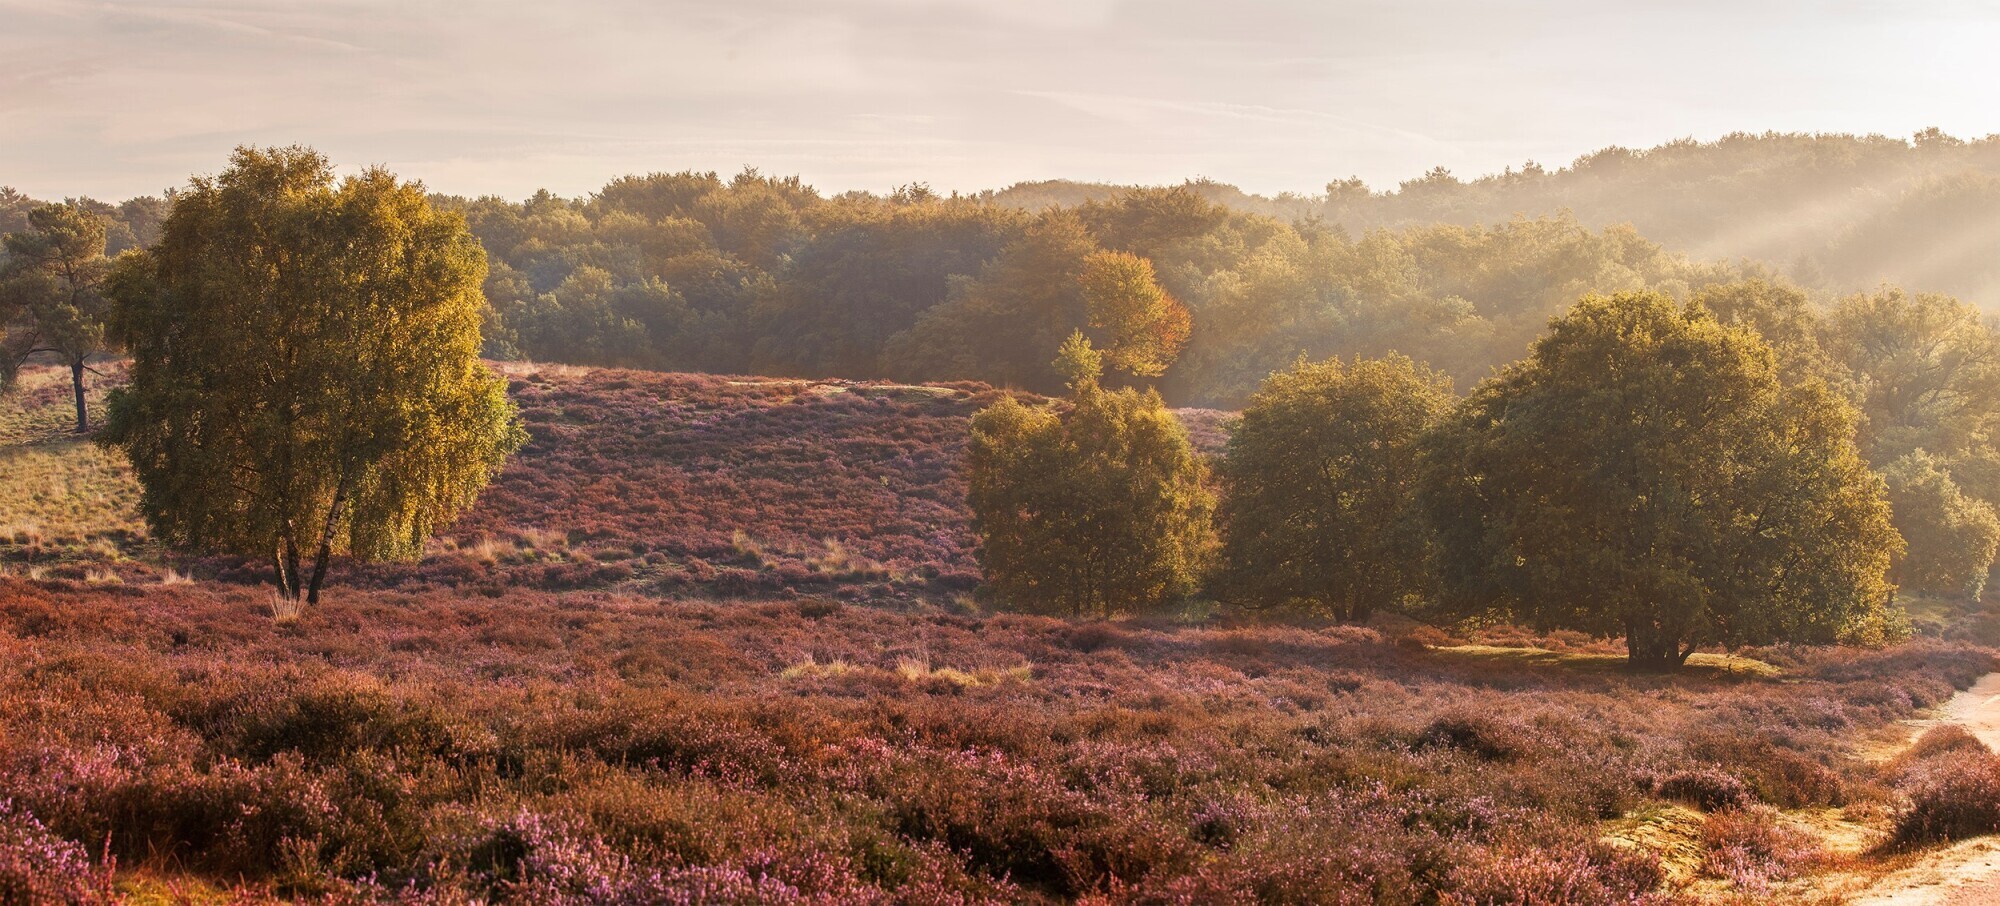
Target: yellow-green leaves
x,y
1098,509
305,367
1143,327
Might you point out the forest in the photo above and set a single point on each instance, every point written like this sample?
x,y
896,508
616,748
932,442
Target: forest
x,y
759,274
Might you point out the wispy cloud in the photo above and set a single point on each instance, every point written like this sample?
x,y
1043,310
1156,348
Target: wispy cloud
x,y
112,98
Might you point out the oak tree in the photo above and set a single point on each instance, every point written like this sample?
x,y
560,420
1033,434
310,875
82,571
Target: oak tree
x,y
1644,472
1318,484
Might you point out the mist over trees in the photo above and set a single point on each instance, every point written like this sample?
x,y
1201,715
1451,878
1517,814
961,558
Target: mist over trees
x,y
763,274
1835,212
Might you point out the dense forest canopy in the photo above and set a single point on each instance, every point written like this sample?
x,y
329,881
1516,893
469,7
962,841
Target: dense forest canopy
x,y
754,273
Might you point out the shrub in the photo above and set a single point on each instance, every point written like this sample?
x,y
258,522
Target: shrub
x,y
1952,796
1574,875
1750,848
1708,789
1943,739
1476,735
37,867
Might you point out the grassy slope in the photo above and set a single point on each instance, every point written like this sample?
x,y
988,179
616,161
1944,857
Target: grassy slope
x,y
61,497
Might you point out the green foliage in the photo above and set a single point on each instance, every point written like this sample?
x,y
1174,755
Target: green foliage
x,y
1927,370
1783,316
1952,537
870,273
999,326
305,371
1645,472
753,275
1320,479
1100,508
51,298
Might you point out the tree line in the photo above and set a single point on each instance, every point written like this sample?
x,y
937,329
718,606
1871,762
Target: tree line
x,y
1837,212
1647,471
762,274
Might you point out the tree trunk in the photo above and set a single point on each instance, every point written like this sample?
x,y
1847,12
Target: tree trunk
x,y
291,588
1649,651
319,570
278,566
76,384
325,551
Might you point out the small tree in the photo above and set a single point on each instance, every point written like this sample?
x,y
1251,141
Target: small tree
x,y
1952,537
1320,480
51,290
1645,472
1098,509
305,371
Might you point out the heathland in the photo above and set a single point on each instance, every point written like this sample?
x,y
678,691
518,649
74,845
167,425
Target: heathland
x,y
712,639
870,548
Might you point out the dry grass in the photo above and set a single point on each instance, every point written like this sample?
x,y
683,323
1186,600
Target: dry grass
x,y
1701,662
286,611
61,497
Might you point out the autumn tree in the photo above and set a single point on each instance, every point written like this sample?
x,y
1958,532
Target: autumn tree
x,y
1142,328
305,372
1644,472
1319,482
51,292
1096,506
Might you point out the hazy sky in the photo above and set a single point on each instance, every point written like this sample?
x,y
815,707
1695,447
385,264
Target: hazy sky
x,y
113,99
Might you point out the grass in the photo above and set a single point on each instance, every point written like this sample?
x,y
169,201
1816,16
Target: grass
x,y
62,498
1700,663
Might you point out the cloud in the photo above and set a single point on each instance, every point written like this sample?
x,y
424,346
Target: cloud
x,y
505,96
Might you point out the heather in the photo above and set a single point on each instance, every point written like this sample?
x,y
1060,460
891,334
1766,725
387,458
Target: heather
x,y
720,640
606,747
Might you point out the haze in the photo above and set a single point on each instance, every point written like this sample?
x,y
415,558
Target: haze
x,y
115,99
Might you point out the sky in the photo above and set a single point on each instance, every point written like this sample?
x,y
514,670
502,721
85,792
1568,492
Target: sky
x,y
474,97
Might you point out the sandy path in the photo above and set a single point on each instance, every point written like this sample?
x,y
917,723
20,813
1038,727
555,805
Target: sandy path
x,y
1963,874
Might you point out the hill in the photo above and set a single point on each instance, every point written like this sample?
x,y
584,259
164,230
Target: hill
x,y
664,484
1836,212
